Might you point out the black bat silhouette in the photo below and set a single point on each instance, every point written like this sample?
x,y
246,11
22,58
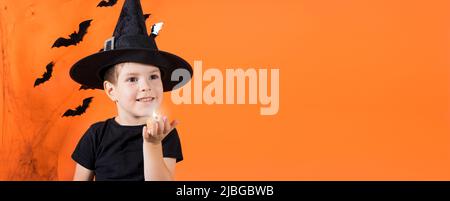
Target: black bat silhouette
x,y
75,37
46,76
107,3
79,110
83,87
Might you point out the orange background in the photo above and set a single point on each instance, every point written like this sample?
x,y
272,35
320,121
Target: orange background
x,y
364,87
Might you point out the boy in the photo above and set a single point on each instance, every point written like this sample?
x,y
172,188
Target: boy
x,y
134,74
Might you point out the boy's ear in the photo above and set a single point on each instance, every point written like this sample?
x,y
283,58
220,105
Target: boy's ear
x,y
109,90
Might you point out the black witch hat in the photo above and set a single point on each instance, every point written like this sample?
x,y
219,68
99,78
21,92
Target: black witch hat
x,y
130,43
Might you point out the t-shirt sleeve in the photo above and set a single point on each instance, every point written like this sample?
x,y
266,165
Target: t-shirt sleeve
x,y
84,153
172,146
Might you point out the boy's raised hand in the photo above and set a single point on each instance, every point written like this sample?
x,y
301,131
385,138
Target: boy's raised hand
x,y
157,129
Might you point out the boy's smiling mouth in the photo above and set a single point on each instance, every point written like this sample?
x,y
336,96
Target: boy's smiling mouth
x,y
146,99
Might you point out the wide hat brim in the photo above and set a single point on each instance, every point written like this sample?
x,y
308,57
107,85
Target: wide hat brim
x,y
89,71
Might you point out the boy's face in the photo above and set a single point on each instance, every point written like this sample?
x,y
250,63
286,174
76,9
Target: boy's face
x,y
138,89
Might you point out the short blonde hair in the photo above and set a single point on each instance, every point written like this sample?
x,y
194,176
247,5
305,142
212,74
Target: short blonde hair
x,y
112,73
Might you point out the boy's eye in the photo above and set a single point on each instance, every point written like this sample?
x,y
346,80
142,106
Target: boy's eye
x,y
131,79
153,77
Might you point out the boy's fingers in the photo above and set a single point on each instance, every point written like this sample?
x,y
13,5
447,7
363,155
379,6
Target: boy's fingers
x,y
166,125
150,131
149,124
160,127
155,129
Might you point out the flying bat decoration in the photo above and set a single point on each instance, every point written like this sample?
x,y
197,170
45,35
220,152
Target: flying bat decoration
x,y
83,87
79,110
107,3
75,37
46,76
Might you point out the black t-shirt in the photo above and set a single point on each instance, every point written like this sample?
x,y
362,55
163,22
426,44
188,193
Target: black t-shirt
x,y
114,152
